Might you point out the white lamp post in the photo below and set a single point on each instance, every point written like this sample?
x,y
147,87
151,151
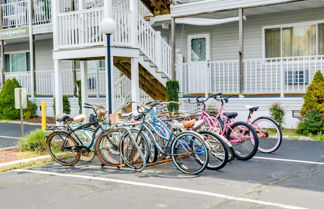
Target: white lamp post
x,y
108,27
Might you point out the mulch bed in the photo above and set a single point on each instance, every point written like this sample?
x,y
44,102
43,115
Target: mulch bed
x,y
49,120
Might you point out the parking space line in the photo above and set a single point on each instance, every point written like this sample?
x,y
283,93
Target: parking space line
x,y
9,137
290,160
177,189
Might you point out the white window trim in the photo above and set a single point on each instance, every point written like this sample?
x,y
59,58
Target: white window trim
x,y
316,22
16,52
195,36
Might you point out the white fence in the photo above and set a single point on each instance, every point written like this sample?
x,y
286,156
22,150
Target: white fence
x,y
23,79
261,76
44,83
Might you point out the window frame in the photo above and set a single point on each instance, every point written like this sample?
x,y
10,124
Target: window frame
x,y
10,59
281,26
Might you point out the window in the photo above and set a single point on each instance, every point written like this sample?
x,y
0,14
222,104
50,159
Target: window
x,y
17,62
290,41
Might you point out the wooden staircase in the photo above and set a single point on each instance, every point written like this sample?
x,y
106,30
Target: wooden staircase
x,y
158,7
151,83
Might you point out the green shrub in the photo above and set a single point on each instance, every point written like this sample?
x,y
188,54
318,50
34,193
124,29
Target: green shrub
x,y
66,105
314,97
173,94
35,142
31,110
7,100
277,113
312,123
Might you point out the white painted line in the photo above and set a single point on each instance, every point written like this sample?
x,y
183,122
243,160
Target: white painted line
x,y
177,189
290,160
9,137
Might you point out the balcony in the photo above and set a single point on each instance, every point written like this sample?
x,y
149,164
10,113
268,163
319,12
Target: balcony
x,y
290,75
15,13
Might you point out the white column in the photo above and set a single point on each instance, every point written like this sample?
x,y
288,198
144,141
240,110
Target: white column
x,y
108,8
84,84
241,52
133,6
31,50
55,10
135,82
58,87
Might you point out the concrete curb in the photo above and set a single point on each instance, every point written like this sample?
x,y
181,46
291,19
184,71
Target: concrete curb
x,y
25,162
18,123
300,138
8,148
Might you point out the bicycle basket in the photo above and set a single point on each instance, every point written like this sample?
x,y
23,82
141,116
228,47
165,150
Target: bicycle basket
x,y
213,106
114,118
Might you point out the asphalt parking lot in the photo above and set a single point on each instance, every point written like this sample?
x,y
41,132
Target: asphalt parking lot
x,y
10,134
293,177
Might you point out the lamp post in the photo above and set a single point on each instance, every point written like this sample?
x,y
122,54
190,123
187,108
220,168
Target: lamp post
x,y
108,27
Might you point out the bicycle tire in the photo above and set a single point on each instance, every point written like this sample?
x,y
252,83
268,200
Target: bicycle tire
x,y
56,148
255,142
217,159
199,144
261,140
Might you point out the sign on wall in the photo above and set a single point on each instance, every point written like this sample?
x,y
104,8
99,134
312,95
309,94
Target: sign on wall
x,y
14,33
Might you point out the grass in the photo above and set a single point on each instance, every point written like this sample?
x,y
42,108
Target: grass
x,y
34,142
292,132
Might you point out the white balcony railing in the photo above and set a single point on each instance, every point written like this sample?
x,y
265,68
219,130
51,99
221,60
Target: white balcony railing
x,y
15,13
81,28
42,12
290,75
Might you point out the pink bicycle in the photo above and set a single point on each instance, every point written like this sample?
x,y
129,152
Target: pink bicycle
x,y
241,135
268,130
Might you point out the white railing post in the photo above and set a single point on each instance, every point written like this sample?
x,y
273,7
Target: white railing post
x,y
158,50
282,78
133,6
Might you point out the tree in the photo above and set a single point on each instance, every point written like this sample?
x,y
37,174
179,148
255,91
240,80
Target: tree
x,y
314,97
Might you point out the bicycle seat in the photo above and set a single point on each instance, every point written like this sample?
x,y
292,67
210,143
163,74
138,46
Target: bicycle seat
x,y
79,118
252,108
188,123
230,115
62,117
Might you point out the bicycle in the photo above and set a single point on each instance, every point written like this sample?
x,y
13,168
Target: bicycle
x,y
241,135
187,149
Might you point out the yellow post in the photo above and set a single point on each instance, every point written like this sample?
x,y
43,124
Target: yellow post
x,y
43,115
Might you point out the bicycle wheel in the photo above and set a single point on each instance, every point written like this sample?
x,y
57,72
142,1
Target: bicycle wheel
x,y
218,154
189,153
269,134
63,148
85,135
108,147
130,153
244,140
